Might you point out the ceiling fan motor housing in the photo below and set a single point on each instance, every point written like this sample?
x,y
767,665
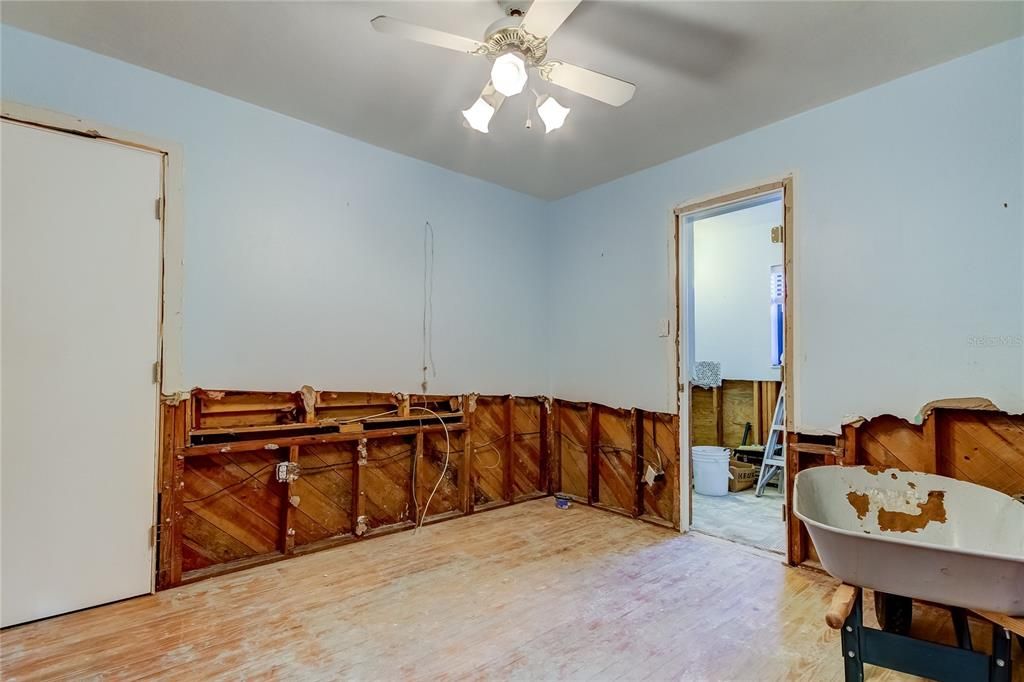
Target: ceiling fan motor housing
x,y
505,35
515,43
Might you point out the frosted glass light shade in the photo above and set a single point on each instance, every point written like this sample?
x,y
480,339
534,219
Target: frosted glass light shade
x,y
479,115
509,74
552,113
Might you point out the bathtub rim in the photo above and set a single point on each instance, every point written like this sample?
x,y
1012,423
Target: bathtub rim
x,y
893,540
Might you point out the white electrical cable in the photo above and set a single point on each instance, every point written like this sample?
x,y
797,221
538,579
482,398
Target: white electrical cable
x,y
661,462
447,455
497,461
428,305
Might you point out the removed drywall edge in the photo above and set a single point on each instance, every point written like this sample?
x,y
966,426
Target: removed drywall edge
x,y
973,403
955,404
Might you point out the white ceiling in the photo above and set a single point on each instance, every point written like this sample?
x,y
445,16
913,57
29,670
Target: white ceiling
x,y
705,71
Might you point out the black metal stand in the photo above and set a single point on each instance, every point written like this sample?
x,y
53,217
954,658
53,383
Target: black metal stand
x,y
914,656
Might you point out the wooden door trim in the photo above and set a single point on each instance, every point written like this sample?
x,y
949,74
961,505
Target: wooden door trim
x,y
785,186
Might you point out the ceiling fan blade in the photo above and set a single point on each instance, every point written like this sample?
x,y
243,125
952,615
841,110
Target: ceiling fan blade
x,y
586,82
545,16
422,34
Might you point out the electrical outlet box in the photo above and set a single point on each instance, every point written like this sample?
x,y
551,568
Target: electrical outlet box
x,y
287,472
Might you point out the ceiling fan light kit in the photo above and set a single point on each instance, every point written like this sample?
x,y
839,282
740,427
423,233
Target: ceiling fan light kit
x,y
508,73
516,43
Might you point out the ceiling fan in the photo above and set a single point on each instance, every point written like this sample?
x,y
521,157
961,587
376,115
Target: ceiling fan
x,y
516,43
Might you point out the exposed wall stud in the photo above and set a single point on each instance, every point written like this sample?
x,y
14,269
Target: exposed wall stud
x,y
637,436
286,537
509,447
593,469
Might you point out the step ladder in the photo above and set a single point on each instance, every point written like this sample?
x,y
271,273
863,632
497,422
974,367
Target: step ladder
x,y
774,452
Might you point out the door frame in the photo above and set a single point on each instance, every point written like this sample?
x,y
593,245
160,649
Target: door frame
x,y
682,276
171,214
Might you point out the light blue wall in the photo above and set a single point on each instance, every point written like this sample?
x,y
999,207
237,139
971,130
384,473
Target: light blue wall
x,y
304,248
733,257
904,250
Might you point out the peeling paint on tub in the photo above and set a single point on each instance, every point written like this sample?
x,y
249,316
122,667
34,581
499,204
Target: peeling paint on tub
x,y
860,502
933,509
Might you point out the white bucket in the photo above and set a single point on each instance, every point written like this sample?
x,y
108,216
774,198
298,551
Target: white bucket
x,y
711,470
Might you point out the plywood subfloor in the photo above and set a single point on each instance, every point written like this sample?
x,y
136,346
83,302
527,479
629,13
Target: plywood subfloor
x,y
525,592
742,517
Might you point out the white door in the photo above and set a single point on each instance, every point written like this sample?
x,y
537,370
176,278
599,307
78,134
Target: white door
x,y
80,246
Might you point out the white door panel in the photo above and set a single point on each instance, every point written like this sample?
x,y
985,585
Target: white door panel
x,y
80,332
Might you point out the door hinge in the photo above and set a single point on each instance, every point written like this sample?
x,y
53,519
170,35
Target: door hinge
x,y
777,234
156,372
159,208
152,535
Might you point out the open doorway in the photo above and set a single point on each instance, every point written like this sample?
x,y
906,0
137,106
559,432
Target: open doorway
x,y
733,352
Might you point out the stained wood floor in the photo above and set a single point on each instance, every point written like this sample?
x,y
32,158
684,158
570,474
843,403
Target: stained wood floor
x,y
526,592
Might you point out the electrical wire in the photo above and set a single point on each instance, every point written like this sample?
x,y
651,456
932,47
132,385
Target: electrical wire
x,y
444,470
489,445
612,448
338,465
389,457
573,442
504,436
428,303
412,471
497,461
661,462
303,471
232,485
601,447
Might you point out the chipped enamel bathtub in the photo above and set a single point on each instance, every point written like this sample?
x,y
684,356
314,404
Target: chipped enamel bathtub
x,y
918,535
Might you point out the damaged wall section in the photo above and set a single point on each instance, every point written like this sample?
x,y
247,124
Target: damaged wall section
x,y
984,447
624,461
356,465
